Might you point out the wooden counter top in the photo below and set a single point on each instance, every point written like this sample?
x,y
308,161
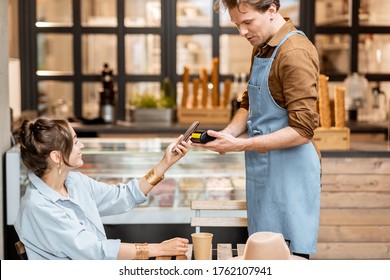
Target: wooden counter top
x,y
121,127
362,149
150,127
358,148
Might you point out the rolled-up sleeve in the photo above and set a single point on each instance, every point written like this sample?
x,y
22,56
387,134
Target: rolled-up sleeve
x,y
299,76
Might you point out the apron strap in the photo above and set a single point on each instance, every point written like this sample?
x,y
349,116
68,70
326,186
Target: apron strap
x,y
284,39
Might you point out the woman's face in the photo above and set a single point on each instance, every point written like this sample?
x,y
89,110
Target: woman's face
x,y
75,157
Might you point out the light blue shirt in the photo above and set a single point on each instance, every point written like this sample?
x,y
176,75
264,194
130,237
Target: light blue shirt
x,y
53,227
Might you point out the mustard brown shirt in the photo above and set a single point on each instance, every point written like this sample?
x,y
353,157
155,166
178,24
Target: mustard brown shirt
x,y
293,79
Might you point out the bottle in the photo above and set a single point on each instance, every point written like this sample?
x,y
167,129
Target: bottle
x,y
107,96
379,111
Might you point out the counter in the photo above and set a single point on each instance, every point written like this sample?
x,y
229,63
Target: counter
x,y
122,127
355,203
355,199
202,174
362,149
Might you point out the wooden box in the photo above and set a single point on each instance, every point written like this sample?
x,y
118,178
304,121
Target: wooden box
x,y
207,116
332,138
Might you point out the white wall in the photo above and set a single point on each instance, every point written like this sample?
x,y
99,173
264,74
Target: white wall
x,y
5,125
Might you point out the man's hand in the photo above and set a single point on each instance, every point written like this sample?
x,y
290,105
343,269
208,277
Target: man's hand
x,y
223,143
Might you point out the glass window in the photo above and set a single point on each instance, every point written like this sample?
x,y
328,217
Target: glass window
x,y
55,53
334,53
333,12
224,19
54,13
288,8
98,49
194,13
143,54
375,106
91,99
140,13
134,90
374,12
235,54
98,13
374,53
55,99
194,51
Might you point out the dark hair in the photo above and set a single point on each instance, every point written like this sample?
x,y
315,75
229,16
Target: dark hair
x,y
259,5
38,139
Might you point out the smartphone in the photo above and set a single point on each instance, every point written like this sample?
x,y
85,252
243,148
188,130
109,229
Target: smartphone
x,y
187,134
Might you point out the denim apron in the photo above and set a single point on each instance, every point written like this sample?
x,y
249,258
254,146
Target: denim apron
x,y
283,186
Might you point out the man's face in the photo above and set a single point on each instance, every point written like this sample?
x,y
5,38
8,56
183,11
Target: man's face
x,y
255,26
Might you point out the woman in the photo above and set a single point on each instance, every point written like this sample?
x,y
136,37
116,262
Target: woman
x,y
59,217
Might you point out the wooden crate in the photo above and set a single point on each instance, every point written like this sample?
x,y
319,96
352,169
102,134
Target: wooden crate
x,y
332,138
207,116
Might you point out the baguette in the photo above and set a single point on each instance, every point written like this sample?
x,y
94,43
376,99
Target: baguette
x,y
324,102
339,106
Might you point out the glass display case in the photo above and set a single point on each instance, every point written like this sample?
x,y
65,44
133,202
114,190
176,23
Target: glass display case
x,y
200,175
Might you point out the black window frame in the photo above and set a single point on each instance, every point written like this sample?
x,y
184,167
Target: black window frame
x,y
168,32
354,30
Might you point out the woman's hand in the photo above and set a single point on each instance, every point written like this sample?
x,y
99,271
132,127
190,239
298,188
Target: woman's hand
x,y
171,156
177,150
173,247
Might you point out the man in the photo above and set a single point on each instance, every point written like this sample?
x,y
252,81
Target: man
x,y
278,112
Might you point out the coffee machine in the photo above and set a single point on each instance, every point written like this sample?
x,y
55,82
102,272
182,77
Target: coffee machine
x,y
107,96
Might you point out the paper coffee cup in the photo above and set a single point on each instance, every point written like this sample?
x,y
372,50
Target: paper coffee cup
x,y
202,244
